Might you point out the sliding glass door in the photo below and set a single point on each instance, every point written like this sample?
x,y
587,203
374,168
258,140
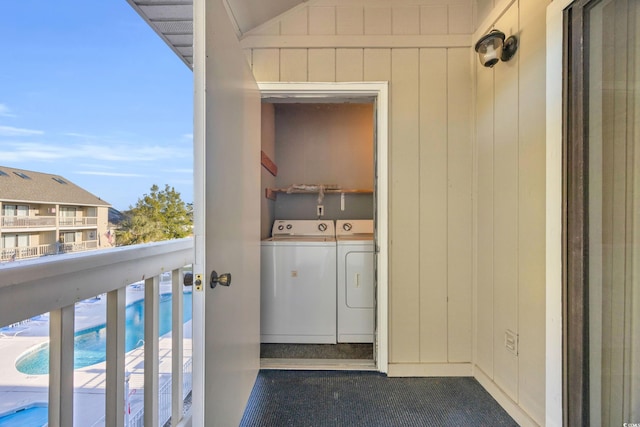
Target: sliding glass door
x,y
602,221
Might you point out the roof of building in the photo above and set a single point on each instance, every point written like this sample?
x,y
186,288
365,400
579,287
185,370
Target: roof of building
x,y
19,185
173,19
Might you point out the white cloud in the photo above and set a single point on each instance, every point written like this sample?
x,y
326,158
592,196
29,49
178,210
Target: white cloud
x,y
188,136
12,131
97,166
5,111
28,151
120,153
190,171
80,135
118,174
129,152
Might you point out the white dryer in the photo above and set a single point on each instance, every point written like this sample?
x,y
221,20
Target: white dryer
x,y
356,281
298,283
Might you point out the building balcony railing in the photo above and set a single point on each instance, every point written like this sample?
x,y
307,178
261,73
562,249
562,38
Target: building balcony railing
x,y
78,222
55,284
26,252
77,246
28,221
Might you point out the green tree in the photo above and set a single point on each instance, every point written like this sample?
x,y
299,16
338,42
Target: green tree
x,y
159,215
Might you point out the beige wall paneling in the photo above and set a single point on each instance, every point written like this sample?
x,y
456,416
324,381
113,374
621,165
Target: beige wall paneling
x,y
266,65
270,29
482,10
506,214
377,20
405,20
460,207
293,65
484,275
531,210
460,19
434,19
433,206
296,23
322,65
404,319
349,20
377,65
349,65
322,20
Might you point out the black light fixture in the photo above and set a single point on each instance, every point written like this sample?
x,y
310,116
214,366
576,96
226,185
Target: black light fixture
x,y
493,47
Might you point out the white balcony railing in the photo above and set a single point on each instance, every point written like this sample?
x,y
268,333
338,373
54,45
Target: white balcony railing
x,y
28,222
55,284
78,246
86,221
26,252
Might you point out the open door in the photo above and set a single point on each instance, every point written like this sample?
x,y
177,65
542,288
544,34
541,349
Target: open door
x,y
227,220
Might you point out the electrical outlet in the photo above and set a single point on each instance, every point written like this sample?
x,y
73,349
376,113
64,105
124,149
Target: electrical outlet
x,y
511,341
320,210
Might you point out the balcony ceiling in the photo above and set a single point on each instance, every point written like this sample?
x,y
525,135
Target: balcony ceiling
x,y
173,19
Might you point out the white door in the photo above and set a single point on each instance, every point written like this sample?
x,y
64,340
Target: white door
x,y
227,171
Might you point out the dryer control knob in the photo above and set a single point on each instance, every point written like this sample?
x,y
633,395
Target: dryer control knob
x,y
281,227
347,226
322,226
289,226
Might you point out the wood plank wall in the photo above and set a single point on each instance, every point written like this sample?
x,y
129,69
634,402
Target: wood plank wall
x,y
510,258
430,158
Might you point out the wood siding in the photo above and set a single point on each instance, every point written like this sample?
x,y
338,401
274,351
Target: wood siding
x,y
510,256
430,159
434,167
354,17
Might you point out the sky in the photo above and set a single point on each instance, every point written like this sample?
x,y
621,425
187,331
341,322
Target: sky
x,y
90,92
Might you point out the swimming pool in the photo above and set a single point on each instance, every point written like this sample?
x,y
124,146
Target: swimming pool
x,y
35,415
91,344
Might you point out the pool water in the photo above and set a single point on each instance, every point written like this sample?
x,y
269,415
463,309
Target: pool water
x,y
34,416
91,344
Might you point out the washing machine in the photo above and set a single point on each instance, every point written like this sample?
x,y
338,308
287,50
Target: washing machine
x,y
355,281
298,283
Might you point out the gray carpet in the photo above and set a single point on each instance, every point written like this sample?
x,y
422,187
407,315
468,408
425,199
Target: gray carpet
x,y
347,398
316,351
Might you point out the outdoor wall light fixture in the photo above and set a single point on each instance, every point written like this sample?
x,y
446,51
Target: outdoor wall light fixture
x,y
493,47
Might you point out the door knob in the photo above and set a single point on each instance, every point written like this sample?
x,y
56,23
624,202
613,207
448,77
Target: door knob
x,y
223,279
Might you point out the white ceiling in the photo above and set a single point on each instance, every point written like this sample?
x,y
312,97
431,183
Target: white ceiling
x,y
173,19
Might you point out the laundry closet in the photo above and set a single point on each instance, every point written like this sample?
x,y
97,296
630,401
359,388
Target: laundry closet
x,y
317,229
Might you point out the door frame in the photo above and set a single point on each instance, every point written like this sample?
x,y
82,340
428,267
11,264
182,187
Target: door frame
x,y
379,91
555,123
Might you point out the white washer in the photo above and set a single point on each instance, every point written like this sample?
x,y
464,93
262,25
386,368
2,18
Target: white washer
x,y
298,283
356,282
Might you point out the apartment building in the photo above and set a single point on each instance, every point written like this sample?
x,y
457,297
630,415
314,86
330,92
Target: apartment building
x,y
44,214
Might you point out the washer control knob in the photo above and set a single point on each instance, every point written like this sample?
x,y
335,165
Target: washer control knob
x,y
322,226
347,226
289,226
281,227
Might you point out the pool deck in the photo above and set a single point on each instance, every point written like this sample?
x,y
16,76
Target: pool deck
x,y
18,389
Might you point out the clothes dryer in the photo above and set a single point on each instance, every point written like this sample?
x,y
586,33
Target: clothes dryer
x,y
298,283
355,281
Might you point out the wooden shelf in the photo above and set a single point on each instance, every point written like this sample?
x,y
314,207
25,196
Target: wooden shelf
x,y
271,193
